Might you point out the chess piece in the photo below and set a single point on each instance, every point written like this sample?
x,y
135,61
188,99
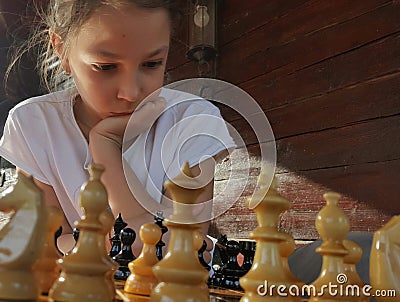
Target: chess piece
x,y
125,256
248,249
216,279
107,219
160,244
286,248
119,225
57,235
385,260
267,264
231,271
85,271
220,257
332,225
180,274
201,257
350,260
142,279
21,239
46,269
75,234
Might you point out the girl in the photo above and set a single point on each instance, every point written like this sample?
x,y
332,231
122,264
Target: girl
x,y
115,51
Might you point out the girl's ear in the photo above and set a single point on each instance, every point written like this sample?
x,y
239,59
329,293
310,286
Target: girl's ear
x,y
57,43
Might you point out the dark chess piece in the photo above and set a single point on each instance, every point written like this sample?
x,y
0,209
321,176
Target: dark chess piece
x,y
248,249
125,256
160,244
220,256
231,271
57,234
75,234
215,280
119,225
201,258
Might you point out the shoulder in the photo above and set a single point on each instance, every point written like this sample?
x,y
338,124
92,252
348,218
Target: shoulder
x,y
44,105
182,104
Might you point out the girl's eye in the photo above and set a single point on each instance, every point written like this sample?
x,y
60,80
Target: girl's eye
x,y
153,64
103,67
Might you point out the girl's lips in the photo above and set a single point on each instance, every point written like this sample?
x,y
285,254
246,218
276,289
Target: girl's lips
x,y
120,113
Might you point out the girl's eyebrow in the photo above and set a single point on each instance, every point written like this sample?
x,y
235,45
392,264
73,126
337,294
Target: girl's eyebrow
x,y
107,54
111,55
162,49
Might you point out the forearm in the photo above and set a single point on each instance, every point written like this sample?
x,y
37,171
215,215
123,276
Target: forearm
x,y
106,152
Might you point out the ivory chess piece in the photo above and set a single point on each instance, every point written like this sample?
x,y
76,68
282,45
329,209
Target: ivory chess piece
x,y
332,225
85,271
46,269
107,220
268,271
181,276
286,248
385,260
350,270
21,239
142,279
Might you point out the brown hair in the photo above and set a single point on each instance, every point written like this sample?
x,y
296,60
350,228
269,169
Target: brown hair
x,y
64,18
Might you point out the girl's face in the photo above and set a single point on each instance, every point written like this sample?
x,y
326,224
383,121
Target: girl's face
x,y
118,58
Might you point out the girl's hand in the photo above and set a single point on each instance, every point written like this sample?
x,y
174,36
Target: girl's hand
x,y
113,128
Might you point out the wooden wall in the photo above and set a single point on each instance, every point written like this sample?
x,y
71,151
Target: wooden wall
x,y
327,75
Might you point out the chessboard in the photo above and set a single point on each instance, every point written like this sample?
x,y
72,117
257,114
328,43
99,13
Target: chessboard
x,y
215,295
30,262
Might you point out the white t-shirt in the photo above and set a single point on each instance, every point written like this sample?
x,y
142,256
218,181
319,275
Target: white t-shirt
x,y
41,136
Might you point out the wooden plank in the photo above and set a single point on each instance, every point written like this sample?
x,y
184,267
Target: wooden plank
x,y
260,53
327,76
372,141
238,17
370,198
179,40
368,100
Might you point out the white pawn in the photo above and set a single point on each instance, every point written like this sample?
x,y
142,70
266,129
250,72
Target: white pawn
x,y
333,225
46,269
142,279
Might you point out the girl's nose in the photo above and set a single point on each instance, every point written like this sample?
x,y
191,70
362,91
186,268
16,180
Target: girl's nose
x,y
129,88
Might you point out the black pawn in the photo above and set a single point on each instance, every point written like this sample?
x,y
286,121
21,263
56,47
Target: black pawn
x,y
160,244
231,271
57,234
119,225
216,279
220,256
201,258
125,256
248,249
75,234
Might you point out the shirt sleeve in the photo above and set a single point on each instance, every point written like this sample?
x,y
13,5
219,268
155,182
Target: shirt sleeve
x,y
21,147
202,132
